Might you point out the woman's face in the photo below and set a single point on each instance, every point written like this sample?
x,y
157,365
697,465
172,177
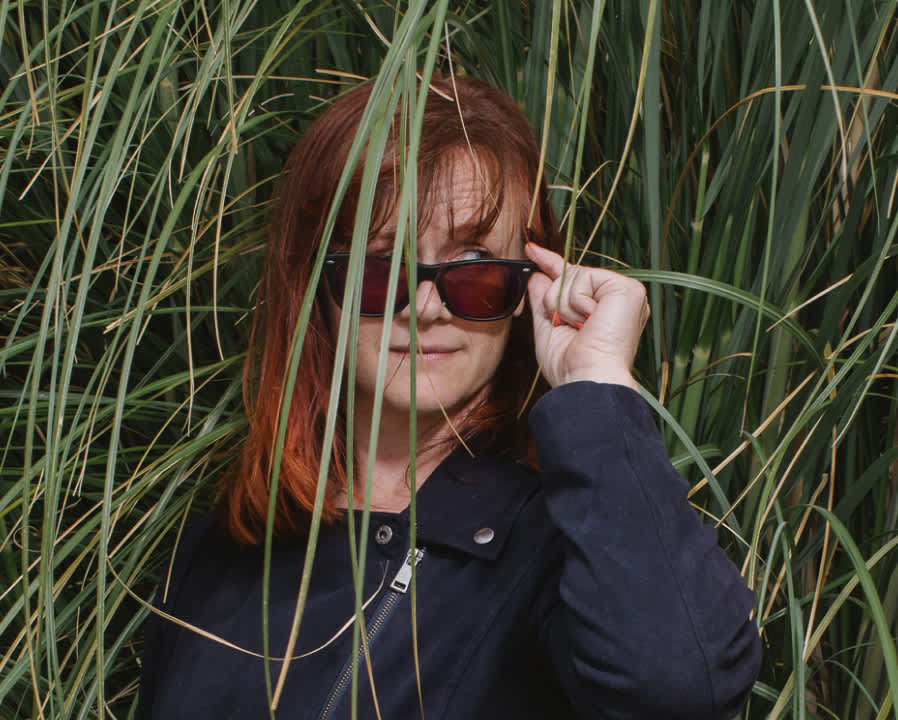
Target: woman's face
x,y
456,358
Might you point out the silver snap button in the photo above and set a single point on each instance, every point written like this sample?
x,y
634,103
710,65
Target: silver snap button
x,y
383,535
484,535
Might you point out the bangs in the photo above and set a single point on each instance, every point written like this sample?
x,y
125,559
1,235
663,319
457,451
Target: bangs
x,y
437,180
471,129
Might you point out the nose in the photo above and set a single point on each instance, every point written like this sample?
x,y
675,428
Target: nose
x,y
428,304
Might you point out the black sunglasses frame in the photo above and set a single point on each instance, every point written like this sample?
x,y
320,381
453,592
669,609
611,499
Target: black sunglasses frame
x,y
523,270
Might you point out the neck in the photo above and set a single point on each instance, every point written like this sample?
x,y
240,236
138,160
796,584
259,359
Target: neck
x,y
390,465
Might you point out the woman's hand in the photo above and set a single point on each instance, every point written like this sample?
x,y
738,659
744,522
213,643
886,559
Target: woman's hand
x,y
588,327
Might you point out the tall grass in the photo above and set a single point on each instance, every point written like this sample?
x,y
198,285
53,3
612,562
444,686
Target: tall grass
x,y
740,158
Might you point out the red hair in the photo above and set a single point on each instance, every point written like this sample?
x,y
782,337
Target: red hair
x,y
503,142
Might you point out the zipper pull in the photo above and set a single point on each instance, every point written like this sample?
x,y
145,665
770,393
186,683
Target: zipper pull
x,y
404,575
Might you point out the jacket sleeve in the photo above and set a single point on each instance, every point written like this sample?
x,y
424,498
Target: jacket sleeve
x,y
157,630
146,691
650,618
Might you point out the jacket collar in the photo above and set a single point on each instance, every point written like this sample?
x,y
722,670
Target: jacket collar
x,y
470,504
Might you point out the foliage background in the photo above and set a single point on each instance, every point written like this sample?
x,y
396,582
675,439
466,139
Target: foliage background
x,y
740,157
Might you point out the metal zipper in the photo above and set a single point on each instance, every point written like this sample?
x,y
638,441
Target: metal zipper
x,y
398,588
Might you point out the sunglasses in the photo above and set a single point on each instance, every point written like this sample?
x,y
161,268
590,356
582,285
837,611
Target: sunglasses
x,y
470,289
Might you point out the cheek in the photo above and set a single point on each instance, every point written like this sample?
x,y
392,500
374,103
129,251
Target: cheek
x,y
368,344
332,314
367,340
492,343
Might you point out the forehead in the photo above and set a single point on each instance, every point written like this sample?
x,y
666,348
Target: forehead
x,y
467,186
465,198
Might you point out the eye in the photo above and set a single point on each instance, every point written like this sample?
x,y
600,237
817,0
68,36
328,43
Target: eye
x,y
471,254
379,250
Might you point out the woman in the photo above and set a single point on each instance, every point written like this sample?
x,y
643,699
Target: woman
x,y
587,588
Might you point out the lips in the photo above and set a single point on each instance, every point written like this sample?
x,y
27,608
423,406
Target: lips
x,y
427,349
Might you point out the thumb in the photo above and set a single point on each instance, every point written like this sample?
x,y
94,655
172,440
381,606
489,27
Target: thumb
x,y
537,288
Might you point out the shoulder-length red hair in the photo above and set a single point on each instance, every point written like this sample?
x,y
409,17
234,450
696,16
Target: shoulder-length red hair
x,y
481,118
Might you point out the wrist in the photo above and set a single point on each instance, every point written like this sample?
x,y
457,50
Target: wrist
x,y
605,376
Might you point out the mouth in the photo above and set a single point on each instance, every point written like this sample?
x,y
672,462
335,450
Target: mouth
x,y
428,352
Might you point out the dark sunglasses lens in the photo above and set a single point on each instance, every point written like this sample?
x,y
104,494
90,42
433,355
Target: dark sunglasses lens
x,y
374,285
482,291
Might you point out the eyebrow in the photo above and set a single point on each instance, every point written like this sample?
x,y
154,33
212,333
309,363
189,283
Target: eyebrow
x,y
475,230
383,240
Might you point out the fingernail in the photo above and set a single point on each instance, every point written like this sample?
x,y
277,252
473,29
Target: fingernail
x,y
556,321
579,325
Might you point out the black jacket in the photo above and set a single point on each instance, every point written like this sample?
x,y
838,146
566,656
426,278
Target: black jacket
x,y
589,589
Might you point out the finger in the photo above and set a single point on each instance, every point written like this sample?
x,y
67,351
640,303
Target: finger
x,y
646,313
582,293
550,263
537,289
543,294
569,299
